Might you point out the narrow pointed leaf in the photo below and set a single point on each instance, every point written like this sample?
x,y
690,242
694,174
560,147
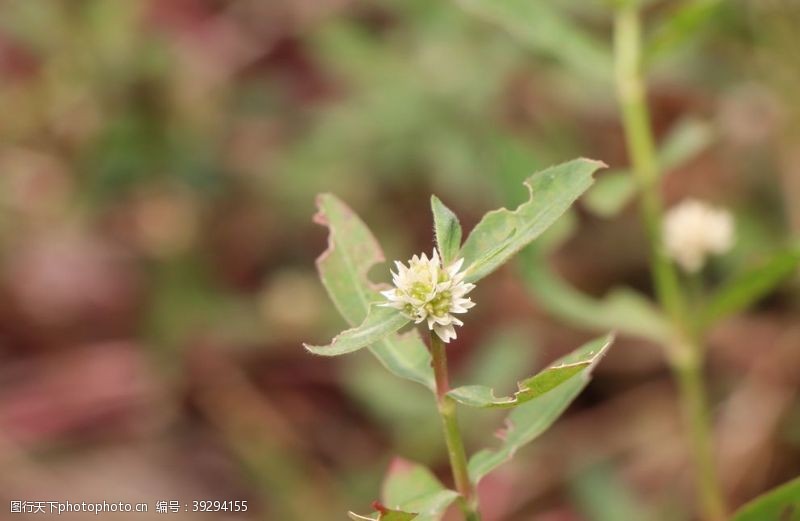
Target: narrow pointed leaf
x,y
447,230
749,287
534,387
622,310
683,24
526,422
781,504
502,233
380,323
343,266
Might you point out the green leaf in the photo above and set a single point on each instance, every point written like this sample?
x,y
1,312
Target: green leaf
x,y
410,491
401,409
622,310
380,323
406,356
781,504
685,140
682,24
447,229
750,286
413,488
386,515
343,266
526,422
610,193
544,29
534,387
504,356
614,190
560,231
601,494
502,233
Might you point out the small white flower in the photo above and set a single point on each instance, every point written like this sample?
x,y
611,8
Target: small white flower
x,y
693,230
426,291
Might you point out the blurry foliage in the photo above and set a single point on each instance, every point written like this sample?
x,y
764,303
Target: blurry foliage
x,y
183,141
782,502
603,496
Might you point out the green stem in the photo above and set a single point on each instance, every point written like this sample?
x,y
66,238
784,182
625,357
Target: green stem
x,y
685,357
689,374
452,435
641,147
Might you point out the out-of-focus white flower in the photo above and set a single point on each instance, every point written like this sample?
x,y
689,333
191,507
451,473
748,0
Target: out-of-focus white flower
x,y
426,291
693,230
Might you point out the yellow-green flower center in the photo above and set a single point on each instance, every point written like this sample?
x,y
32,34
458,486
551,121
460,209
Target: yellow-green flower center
x,y
420,290
440,304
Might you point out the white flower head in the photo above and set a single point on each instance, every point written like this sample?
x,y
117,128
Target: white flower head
x,y
426,291
693,230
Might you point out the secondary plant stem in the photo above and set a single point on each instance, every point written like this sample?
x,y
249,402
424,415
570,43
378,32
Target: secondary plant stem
x,y
694,403
686,355
452,434
641,147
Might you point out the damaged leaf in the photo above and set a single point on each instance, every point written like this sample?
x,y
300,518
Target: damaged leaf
x,y
534,387
352,251
526,422
503,232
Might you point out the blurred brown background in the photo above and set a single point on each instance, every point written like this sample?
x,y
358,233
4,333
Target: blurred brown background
x,y
158,167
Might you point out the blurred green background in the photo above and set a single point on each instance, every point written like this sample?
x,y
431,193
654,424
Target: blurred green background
x,y
159,162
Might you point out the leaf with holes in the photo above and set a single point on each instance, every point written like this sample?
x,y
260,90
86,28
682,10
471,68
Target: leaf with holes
x,y
352,251
502,233
547,380
527,421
